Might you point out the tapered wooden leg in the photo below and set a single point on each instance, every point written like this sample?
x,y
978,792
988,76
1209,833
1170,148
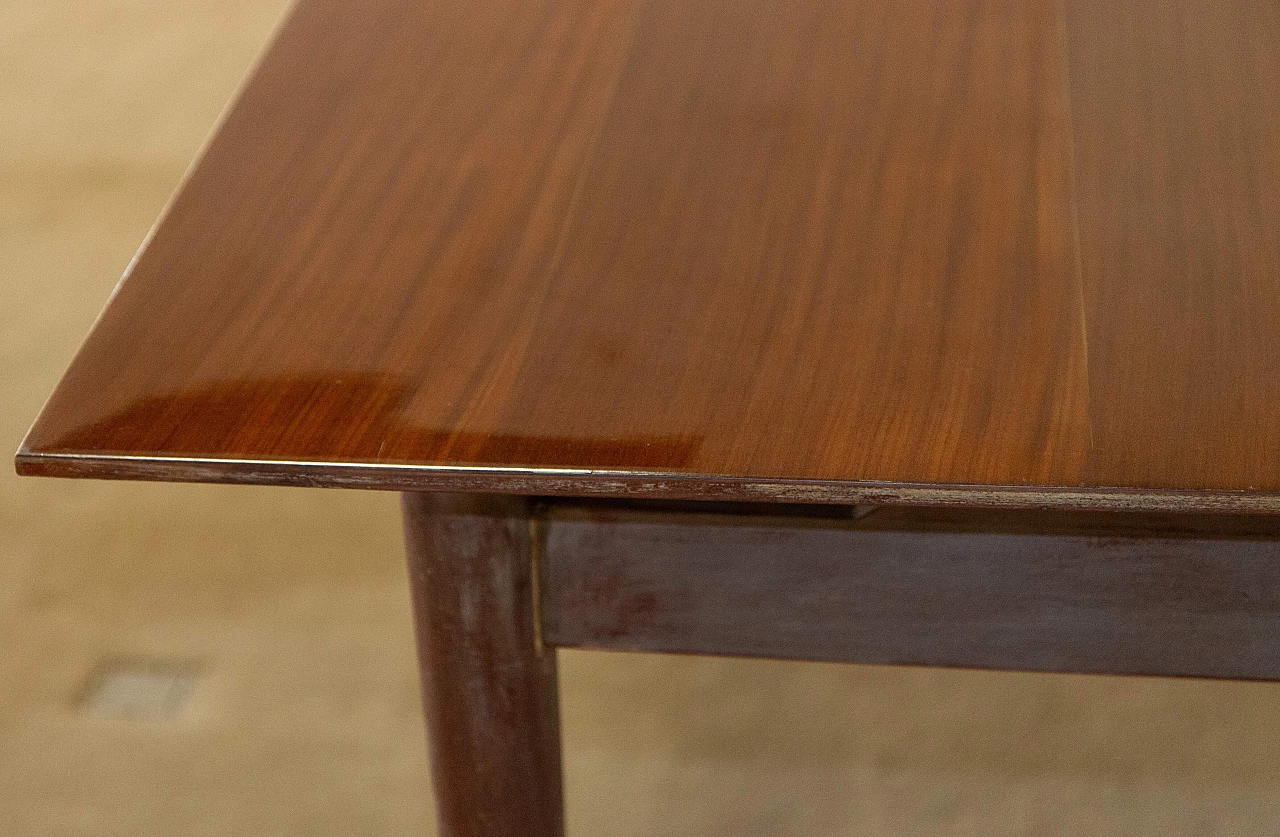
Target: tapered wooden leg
x,y
493,717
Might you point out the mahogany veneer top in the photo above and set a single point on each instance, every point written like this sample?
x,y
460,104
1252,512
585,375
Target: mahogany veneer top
x,y
1018,252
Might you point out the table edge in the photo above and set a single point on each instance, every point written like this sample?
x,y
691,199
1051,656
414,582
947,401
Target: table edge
x,y
582,482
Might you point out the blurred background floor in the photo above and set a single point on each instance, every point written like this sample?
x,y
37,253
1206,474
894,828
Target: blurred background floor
x,y
287,611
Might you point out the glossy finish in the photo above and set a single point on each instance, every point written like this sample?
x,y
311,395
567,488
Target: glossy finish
x,y
1026,591
489,688
1177,137
963,252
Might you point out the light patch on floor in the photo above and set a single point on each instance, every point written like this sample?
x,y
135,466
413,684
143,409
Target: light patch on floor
x,y
149,691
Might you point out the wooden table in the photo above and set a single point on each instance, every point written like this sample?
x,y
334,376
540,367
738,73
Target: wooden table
x,y
940,332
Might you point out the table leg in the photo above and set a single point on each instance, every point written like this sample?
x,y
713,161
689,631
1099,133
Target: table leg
x,y
490,690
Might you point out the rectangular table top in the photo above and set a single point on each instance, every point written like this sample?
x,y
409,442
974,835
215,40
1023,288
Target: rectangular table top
x,y
983,252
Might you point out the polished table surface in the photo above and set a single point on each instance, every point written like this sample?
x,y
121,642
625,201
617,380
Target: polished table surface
x,y
974,252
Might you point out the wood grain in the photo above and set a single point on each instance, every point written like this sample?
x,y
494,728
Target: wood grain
x,y
1178,159
1064,593
965,252
834,235
492,705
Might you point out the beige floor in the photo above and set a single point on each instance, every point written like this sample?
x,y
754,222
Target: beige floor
x,y
304,719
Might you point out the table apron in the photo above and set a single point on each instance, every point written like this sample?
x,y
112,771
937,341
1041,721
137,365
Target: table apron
x,y
819,590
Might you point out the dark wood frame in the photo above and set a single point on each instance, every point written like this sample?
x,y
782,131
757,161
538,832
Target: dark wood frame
x,y
500,582
489,687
